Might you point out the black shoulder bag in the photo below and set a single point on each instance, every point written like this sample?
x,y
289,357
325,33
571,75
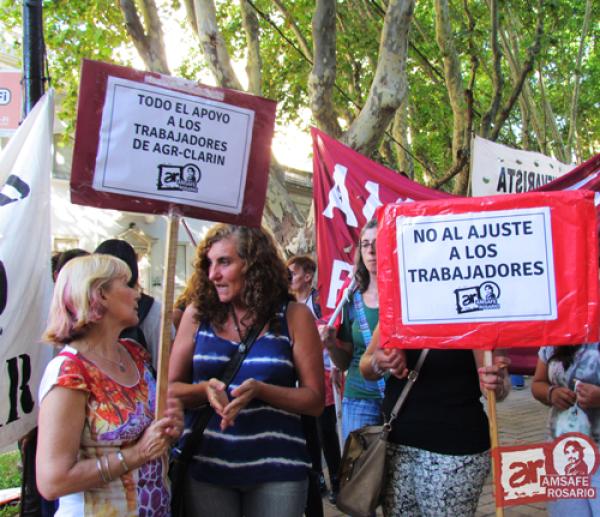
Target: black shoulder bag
x,y
190,442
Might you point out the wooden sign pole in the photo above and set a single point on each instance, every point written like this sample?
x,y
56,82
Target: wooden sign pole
x,y
166,317
493,422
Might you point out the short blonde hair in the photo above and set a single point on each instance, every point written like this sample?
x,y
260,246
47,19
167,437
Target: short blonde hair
x,y
76,298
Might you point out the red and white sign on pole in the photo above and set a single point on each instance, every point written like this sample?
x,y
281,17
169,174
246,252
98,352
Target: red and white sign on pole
x,y
147,142
151,143
496,272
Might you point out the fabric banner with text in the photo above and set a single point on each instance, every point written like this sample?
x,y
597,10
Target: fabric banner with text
x,y
498,169
25,278
489,272
348,187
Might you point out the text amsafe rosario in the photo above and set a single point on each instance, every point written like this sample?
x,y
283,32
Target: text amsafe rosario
x,y
484,271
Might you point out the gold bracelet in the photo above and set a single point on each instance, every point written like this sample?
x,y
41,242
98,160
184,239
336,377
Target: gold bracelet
x,y
106,465
99,468
121,459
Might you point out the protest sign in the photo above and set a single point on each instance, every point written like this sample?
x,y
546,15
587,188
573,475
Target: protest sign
x,y
148,143
498,169
25,276
491,272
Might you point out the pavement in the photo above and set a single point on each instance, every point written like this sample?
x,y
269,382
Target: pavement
x,y
521,420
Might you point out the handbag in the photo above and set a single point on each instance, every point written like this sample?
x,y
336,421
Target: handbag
x,y
190,442
363,460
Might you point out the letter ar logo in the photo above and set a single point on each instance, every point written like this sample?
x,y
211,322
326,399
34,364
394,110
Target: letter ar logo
x,y
524,472
19,393
466,299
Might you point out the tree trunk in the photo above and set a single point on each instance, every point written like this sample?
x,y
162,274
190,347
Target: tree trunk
x,y
456,94
254,64
148,42
213,45
389,85
576,82
322,75
400,131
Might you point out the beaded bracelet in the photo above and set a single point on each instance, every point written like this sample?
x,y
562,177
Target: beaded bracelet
x,y
376,368
121,459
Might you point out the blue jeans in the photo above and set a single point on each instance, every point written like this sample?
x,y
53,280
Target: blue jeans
x,y
261,500
357,413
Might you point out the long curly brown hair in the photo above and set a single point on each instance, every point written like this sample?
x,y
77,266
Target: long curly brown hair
x,y
266,285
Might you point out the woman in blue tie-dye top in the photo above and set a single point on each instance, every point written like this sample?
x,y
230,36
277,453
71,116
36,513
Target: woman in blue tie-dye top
x,y
253,459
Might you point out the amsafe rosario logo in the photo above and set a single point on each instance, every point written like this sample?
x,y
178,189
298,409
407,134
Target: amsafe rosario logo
x,y
561,469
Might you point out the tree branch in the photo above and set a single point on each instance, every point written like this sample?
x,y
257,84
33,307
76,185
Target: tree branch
x,y
254,64
294,27
389,84
497,80
149,43
532,53
576,80
322,75
213,45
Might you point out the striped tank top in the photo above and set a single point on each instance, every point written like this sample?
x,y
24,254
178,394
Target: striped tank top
x,y
265,444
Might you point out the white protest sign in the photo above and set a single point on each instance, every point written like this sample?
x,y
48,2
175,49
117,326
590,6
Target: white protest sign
x,y
166,145
477,267
498,169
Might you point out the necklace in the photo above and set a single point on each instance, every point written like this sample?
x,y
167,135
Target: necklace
x,y
119,364
236,324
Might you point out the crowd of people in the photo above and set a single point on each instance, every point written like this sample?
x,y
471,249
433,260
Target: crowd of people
x,y
102,451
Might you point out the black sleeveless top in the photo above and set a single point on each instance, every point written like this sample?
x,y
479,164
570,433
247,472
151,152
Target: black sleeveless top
x,y
443,412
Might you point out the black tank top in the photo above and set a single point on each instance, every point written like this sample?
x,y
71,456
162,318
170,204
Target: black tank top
x,y
443,412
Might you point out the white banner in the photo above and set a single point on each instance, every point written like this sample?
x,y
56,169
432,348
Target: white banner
x,y
498,169
174,147
25,280
477,267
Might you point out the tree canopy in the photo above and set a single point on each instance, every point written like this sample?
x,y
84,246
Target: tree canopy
x,y
405,83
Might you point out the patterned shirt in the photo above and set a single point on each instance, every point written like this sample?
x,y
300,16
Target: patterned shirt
x,y
116,415
266,443
585,368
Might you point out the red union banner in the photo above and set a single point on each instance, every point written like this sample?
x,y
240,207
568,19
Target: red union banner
x,y
347,189
146,142
489,272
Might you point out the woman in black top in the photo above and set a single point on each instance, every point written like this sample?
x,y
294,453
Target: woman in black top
x,y
438,449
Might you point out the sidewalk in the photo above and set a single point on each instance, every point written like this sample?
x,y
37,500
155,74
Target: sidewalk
x,y
521,420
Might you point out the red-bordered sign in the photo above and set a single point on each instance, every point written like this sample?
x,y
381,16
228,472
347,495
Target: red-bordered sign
x,y
560,469
502,271
146,142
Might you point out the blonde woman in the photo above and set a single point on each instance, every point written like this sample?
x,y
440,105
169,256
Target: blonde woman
x,y
100,451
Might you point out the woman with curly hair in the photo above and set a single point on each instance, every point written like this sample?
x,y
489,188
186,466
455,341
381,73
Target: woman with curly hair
x,y
253,459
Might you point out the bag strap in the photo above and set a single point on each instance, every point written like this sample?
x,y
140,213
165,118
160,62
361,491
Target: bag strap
x,y
205,413
366,331
412,378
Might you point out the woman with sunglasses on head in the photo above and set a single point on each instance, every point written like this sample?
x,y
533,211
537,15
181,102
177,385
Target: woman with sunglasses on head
x,y
252,460
361,404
